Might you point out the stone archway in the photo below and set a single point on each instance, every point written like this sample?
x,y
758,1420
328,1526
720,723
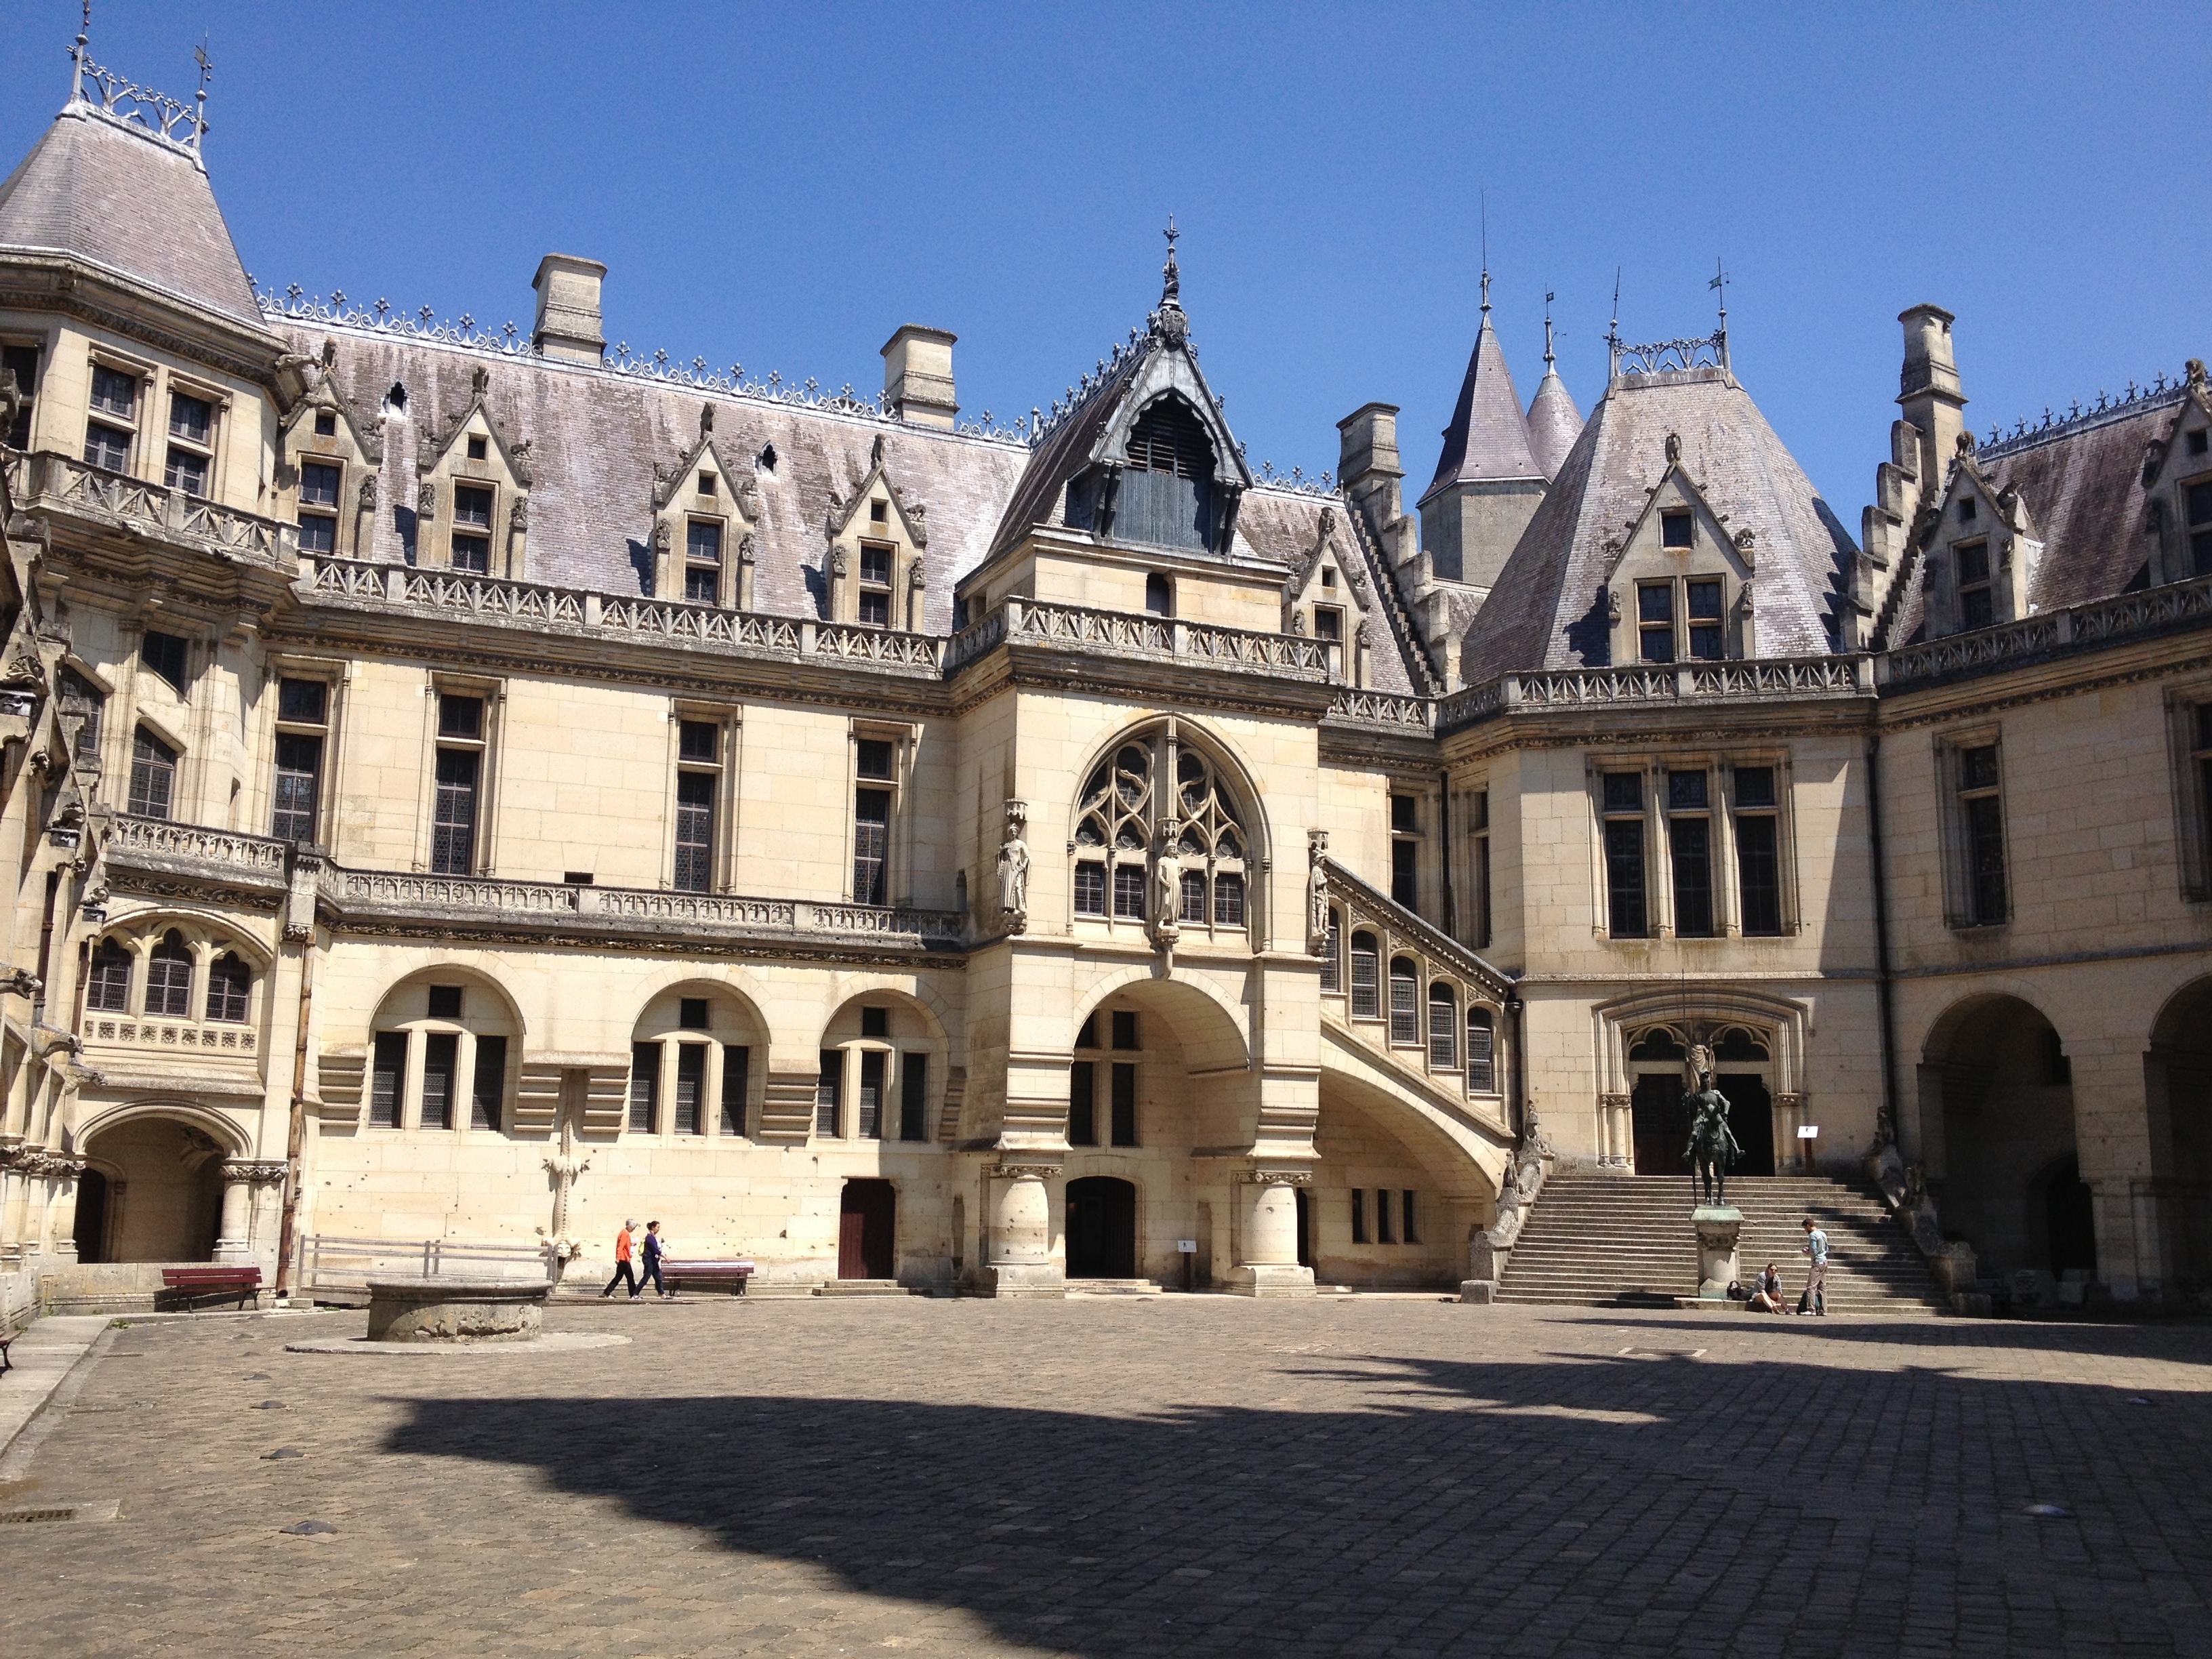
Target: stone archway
x,y
2178,1093
1997,1139
163,1190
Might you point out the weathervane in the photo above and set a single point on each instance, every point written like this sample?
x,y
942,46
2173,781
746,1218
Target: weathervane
x,y
1172,292
207,74
1720,282
1485,252
1548,297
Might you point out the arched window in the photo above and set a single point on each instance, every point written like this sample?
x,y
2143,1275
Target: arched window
x,y
169,978
1331,961
1405,1002
229,983
1124,814
1443,1027
1366,978
153,775
1166,496
1481,1053
1159,595
1659,1043
109,990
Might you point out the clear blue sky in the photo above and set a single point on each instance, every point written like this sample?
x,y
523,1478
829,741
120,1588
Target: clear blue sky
x,y
783,187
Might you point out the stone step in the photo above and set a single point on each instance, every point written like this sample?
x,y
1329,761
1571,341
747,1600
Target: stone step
x,y
863,1288
1113,1287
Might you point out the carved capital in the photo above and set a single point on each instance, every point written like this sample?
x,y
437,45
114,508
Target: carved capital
x,y
253,1172
1278,1177
1025,1172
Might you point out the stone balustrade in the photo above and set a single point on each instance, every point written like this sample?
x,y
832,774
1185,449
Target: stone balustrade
x,y
1142,636
2143,614
197,844
1756,679
48,482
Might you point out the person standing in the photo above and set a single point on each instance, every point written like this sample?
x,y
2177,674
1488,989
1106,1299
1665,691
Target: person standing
x,y
625,1273
655,1248
1815,1299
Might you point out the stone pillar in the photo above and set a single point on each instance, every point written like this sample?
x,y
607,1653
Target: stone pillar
x,y
1022,1263
233,1238
1615,1133
1268,1240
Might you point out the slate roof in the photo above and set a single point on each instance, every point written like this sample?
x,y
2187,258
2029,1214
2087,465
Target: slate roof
x,y
1488,437
1548,609
95,190
2081,483
1554,423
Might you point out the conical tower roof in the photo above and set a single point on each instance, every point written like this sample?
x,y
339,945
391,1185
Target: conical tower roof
x,y
1554,423
1488,437
97,190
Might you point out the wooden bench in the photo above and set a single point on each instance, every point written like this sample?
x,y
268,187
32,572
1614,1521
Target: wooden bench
x,y
187,1283
729,1276
9,1332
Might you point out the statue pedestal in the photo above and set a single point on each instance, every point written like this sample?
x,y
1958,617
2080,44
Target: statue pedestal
x,y
1718,1226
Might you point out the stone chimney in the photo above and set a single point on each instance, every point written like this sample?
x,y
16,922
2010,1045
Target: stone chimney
x,y
1928,391
918,376
568,308
1367,465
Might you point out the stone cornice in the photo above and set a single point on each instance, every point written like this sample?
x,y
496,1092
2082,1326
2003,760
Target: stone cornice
x,y
92,294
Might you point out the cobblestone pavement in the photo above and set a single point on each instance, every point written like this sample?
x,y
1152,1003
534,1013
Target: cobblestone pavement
x,y
1201,1475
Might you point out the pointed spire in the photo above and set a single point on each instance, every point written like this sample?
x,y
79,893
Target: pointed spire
x,y
1554,423
1488,437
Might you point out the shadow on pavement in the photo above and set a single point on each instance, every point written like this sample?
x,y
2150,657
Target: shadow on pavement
x,y
1640,1502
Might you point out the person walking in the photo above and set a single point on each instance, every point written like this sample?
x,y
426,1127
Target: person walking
x,y
655,1248
1815,1299
624,1273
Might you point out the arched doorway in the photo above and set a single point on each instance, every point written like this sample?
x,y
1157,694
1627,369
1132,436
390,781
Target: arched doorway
x,y
164,1201
867,1231
91,1230
1658,1060
1997,1139
2177,1089
1101,1228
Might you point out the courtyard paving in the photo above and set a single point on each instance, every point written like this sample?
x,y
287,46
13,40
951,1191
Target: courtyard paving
x,y
1180,1476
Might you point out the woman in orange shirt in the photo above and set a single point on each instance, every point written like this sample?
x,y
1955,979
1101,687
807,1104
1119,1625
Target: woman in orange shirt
x,y
624,1273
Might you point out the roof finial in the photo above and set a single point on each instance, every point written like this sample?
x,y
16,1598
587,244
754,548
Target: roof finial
x,y
207,74
78,55
1548,297
1171,289
1720,282
1486,254
1613,334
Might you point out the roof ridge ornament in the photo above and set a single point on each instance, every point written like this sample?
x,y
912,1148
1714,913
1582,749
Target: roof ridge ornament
x,y
150,114
1168,324
1548,357
1486,255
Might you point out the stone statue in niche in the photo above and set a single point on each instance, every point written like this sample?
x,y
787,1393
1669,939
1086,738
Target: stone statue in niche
x,y
1316,892
1167,886
1014,870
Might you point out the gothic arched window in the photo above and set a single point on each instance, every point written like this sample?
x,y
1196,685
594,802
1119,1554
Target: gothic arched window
x,y
1125,817
109,990
1404,1001
169,978
230,982
1443,1027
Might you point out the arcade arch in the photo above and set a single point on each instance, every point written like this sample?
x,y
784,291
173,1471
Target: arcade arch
x,y
2177,1089
692,1063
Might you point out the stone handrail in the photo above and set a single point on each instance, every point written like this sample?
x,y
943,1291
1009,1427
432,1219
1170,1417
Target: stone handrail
x,y
2101,621
50,481
195,844
1372,904
1752,679
1143,635
1389,708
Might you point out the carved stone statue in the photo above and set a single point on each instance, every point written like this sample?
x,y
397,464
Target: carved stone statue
x,y
1014,870
1712,1146
1167,886
1316,892
564,1167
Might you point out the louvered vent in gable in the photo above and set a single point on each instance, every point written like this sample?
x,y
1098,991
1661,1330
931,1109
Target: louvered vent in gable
x,y
1167,491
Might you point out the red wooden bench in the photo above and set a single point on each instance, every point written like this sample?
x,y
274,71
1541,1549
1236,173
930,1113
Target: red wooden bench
x,y
187,1283
729,1275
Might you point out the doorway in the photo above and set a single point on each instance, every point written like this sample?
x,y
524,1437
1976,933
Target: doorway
x,y
1305,1227
2070,1219
1751,1116
91,1231
1661,1125
1101,1228
867,1229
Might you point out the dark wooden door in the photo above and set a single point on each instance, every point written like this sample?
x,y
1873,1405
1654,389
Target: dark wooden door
x,y
1662,1126
1751,1116
1102,1229
867,1231
1305,1228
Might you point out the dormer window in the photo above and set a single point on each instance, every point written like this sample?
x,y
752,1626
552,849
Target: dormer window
x,y
478,449
1655,620
471,546
2199,441
2196,503
326,425
1708,639
1976,607
1166,496
1677,530
706,483
876,587
1968,507
703,561
318,506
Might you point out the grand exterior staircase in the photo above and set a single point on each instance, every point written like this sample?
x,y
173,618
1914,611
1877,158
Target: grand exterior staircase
x,y
1606,1240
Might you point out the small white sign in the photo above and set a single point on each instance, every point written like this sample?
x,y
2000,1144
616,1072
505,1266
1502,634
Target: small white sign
x,y
1808,1132
1186,1247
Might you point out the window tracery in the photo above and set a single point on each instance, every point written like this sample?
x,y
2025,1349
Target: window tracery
x,y
1125,821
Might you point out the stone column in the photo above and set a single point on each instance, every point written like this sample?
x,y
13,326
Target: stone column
x,y
233,1238
1021,1261
1267,1242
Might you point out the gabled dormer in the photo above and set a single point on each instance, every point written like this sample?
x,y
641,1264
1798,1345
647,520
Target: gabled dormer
x,y
1165,470
873,559
1979,551
473,493
1327,598
705,512
1678,585
328,457
2177,478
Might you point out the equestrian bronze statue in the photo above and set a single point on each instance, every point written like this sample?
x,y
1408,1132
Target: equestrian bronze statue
x,y
1712,1146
